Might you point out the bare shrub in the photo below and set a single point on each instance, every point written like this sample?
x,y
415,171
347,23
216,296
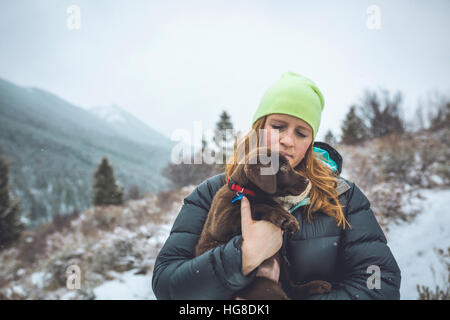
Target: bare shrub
x,y
412,159
165,200
425,293
364,171
381,113
104,218
89,229
184,174
107,217
62,221
395,157
133,193
387,203
34,243
119,257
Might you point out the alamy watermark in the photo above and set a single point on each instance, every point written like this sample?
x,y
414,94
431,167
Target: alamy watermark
x,y
73,21
73,274
374,281
373,21
182,152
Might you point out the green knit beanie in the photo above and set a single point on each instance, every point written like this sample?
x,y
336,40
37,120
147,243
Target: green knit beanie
x,y
294,95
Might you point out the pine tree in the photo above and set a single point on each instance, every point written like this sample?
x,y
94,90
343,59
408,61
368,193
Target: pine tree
x,y
224,136
106,191
330,139
10,225
353,129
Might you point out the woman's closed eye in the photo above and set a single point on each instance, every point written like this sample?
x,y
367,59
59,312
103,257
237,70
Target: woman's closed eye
x,y
281,128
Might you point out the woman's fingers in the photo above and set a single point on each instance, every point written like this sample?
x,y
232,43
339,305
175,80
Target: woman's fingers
x,y
246,214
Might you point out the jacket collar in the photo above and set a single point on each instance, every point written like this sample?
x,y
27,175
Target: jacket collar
x,y
332,157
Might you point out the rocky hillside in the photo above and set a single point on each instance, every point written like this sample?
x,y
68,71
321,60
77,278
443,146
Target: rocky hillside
x,y
109,244
393,169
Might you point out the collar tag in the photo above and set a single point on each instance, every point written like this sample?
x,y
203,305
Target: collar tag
x,y
238,197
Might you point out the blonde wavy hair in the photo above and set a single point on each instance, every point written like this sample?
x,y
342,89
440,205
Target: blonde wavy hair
x,y
323,195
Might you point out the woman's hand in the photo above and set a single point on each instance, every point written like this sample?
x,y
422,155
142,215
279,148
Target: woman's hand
x,y
260,239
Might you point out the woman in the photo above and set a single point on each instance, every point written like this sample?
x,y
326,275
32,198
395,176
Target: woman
x,y
339,241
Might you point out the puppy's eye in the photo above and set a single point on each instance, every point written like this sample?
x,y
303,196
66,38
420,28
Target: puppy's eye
x,y
283,168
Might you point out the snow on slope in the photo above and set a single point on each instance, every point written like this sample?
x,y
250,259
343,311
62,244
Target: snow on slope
x,y
126,286
413,244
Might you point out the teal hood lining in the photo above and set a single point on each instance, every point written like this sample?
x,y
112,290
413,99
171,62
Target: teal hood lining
x,y
325,157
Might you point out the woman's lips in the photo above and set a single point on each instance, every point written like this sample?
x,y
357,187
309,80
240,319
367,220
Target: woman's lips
x,y
286,155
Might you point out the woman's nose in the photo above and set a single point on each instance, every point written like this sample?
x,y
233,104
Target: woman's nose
x,y
286,139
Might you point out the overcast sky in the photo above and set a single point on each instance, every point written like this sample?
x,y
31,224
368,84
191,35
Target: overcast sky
x,y
171,63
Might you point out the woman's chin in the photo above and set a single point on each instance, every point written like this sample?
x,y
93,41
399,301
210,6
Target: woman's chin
x,y
293,163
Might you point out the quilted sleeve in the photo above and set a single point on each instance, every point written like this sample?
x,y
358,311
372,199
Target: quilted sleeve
x,y
216,274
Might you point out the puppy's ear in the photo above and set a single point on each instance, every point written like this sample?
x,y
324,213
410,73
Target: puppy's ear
x,y
266,182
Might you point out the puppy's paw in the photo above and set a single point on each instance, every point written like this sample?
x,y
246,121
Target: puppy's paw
x,y
290,224
284,221
319,287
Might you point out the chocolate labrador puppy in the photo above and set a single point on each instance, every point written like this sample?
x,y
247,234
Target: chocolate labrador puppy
x,y
259,183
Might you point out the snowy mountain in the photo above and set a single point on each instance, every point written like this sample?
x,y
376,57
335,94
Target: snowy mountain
x,y
112,114
129,126
54,147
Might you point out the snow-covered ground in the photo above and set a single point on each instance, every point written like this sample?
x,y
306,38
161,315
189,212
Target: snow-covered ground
x,y
115,258
132,286
413,244
126,286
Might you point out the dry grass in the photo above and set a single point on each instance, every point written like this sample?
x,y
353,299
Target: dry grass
x,y
392,169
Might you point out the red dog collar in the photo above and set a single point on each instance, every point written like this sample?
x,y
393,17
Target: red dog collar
x,y
235,187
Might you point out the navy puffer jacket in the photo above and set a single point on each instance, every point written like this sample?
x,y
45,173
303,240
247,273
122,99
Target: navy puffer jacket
x,y
349,259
